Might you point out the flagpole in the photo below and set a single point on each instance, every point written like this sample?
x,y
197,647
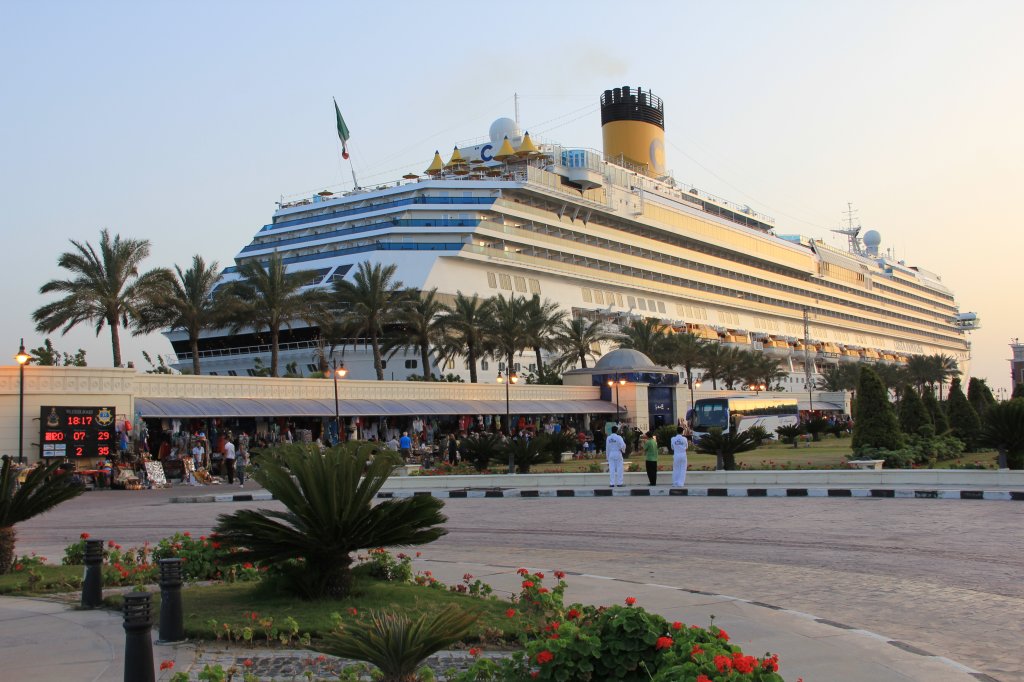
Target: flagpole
x,y
355,183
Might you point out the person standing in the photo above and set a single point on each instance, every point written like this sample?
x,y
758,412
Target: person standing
x,y
242,461
614,448
405,445
453,450
679,445
650,446
229,459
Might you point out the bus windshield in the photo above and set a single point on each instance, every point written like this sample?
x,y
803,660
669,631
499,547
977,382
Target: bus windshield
x,y
709,414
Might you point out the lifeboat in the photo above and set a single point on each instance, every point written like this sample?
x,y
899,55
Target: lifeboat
x,y
777,347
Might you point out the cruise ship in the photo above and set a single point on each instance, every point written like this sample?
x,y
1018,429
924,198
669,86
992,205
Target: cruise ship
x,y
605,234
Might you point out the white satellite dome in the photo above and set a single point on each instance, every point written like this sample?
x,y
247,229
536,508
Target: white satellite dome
x,y
505,127
872,238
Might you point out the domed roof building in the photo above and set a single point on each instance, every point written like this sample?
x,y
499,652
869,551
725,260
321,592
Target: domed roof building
x,y
644,392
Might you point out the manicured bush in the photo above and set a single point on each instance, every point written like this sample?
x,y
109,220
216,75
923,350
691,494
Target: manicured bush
x,y
913,414
963,420
664,435
790,434
937,412
875,424
979,395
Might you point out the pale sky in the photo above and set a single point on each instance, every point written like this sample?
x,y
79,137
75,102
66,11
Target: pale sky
x,y
183,122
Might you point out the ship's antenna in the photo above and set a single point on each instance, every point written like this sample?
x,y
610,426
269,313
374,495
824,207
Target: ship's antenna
x,y
851,231
515,98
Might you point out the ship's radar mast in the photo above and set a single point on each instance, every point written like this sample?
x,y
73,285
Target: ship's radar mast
x,y
851,231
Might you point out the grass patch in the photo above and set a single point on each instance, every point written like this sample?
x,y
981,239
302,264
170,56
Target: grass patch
x,y
208,608
50,579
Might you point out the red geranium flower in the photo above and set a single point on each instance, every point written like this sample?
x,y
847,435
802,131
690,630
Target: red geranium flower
x,y
677,625
744,664
723,663
559,574
166,665
353,611
473,651
663,643
247,565
247,663
510,612
630,601
573,614
84,536
723,635
544,657
522,571
696,650
527,584
703,678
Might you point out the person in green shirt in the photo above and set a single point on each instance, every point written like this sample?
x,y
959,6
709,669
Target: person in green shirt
x,y
650,446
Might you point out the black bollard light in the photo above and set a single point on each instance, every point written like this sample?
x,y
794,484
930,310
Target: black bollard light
x,y
138,638
172,617
92,581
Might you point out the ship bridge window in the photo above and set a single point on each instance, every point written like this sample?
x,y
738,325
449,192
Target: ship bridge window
x,y
641,303
661,307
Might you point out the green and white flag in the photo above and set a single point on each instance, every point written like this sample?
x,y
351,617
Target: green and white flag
x,y
342,131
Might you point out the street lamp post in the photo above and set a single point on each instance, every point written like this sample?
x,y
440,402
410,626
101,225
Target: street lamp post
x,y
337,371
22,359
616,382
512,378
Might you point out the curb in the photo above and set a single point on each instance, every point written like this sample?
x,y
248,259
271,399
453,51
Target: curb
x,y
471,493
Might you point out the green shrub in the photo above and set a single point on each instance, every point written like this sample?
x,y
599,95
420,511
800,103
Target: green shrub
x,y
790,433
963,419
875,425
665,434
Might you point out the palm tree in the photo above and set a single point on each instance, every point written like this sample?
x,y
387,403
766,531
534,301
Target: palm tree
x,y
734,366
919,372
185,303
332,330
370,302
761,369
576,339
943,369
505,332
330,512
687,351
841,377
42,490
542,319
715,362
648,336
106,288
419,327
266,297
463,328
1003,429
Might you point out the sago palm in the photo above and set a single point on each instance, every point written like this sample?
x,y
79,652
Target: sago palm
x,y
725,446
42,490
105,289
397,644
329,514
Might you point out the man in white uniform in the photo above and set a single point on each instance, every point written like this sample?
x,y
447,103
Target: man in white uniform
x,y
614,447
679,445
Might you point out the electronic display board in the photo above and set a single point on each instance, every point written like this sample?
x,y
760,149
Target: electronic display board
x,y
77,431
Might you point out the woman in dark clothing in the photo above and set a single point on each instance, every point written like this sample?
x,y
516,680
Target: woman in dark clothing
x,y
453,449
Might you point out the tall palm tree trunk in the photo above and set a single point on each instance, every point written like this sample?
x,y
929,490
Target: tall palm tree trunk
x,y
377,366
275,340
115,341
540,363
425,357
583,360
194,344
471,356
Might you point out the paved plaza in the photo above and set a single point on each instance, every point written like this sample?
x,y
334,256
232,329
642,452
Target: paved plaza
x,y
899,589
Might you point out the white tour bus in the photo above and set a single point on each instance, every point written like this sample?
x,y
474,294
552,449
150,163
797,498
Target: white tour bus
x,y
741,413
